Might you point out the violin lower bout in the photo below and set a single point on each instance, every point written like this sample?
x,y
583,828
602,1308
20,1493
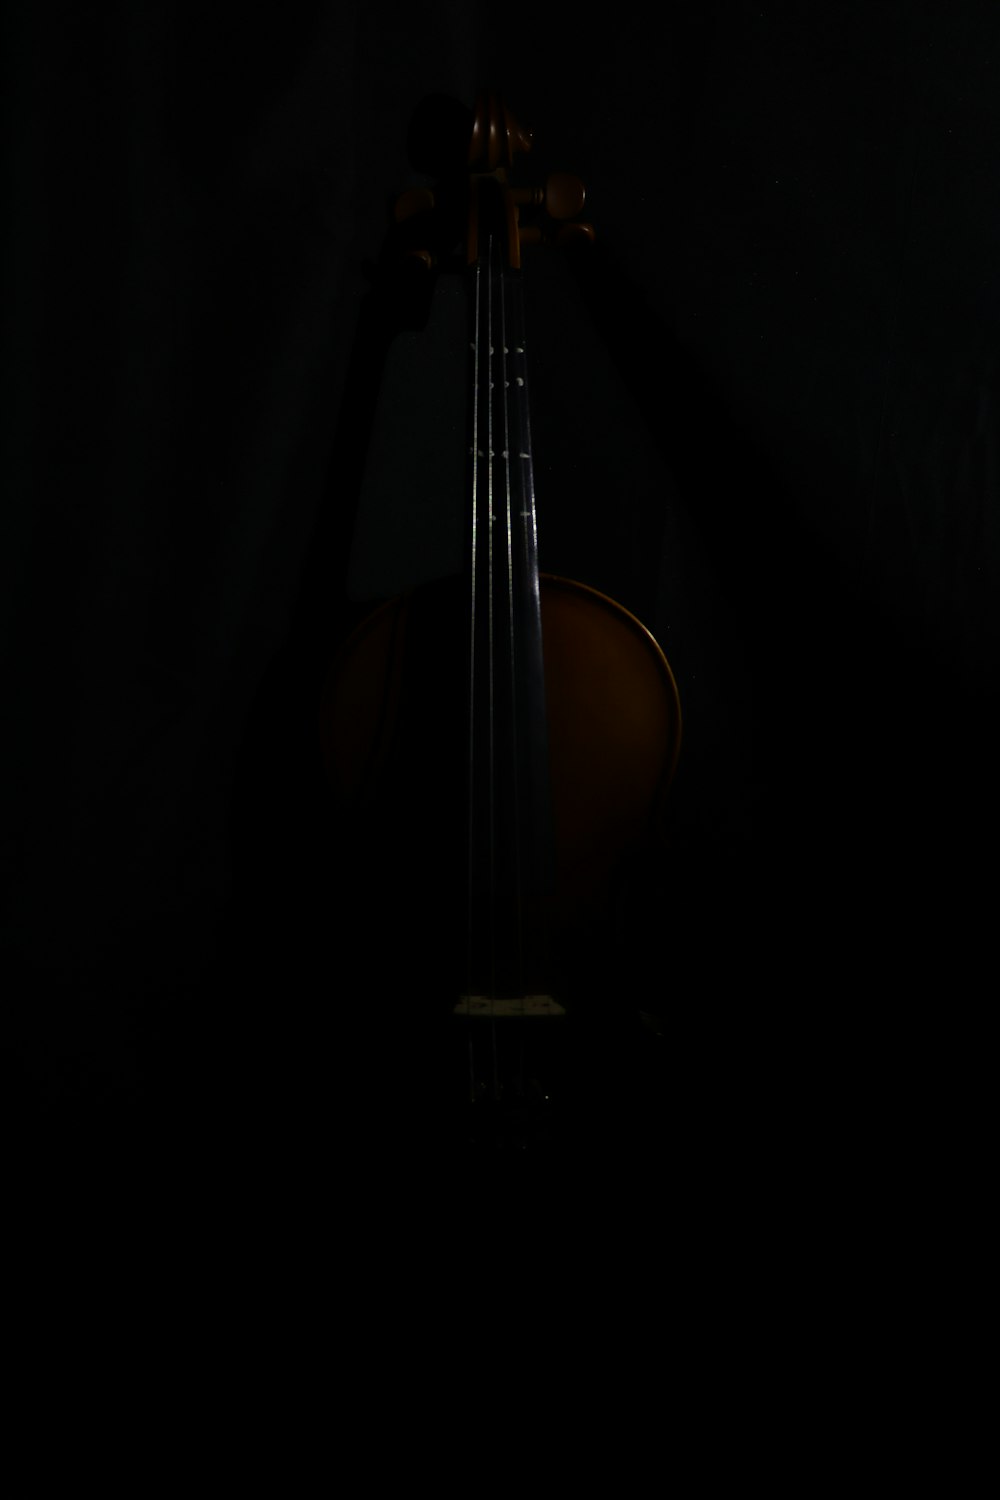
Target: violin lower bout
x,y
395,735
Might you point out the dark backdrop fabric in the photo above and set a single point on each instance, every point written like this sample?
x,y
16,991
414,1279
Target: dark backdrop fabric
x,y
765,413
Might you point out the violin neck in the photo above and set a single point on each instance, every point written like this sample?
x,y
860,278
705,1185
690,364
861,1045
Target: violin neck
x,y
510,837
503,534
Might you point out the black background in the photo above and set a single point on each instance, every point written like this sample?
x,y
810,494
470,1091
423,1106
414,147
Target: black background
x,y
765,420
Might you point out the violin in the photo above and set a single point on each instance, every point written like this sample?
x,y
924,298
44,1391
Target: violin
x,y
498,743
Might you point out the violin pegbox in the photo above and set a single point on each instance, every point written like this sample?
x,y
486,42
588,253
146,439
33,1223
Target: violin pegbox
x,y
431,223
497,140
496,136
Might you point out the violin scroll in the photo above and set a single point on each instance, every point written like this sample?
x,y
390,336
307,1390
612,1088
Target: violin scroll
x,y
497,138
496,135
426,218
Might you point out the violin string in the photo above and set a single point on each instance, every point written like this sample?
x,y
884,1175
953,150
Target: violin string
x,y
473,570
491,343
509,460
499,428
481,557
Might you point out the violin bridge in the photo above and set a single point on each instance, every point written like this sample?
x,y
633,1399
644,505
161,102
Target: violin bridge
x,y
520,1005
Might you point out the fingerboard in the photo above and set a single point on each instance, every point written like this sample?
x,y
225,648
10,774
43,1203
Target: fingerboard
x,y
510,838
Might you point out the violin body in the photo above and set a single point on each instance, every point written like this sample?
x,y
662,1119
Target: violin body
x,y
392,725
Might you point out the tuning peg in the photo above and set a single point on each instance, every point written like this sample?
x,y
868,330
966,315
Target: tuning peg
x,y
563,195
570,234
414,201
411,236
566,234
